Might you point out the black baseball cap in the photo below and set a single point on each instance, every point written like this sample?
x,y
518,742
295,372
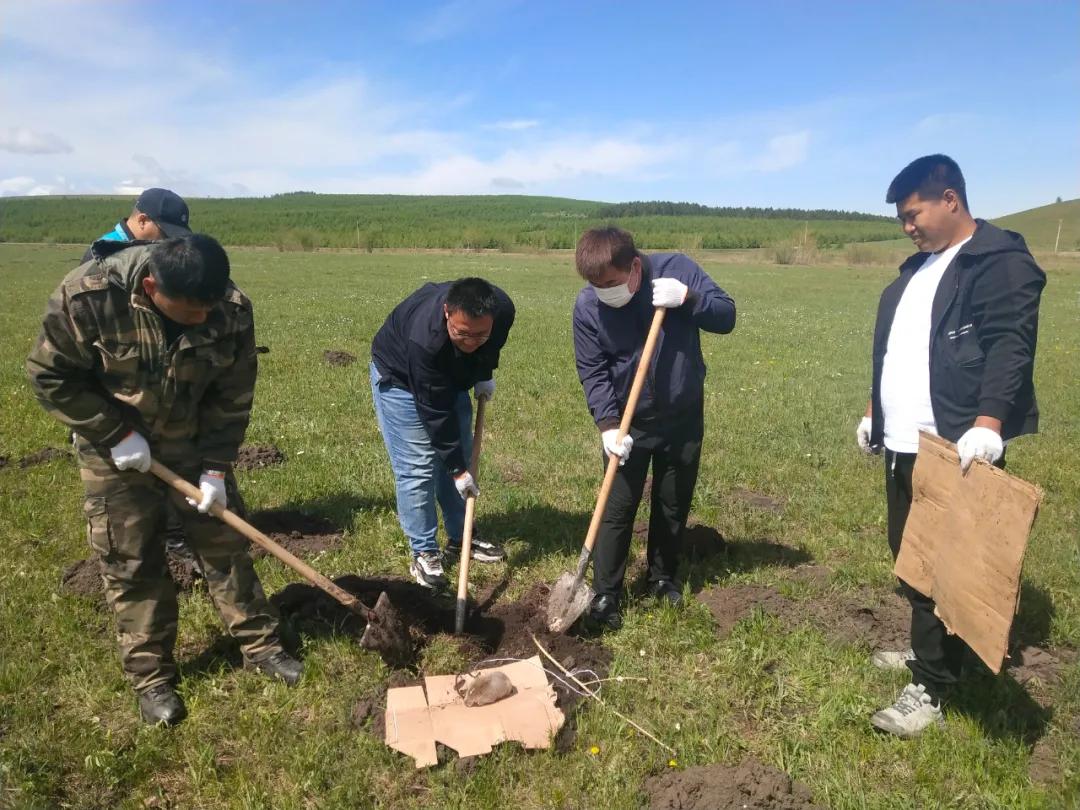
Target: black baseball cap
x,y
167,209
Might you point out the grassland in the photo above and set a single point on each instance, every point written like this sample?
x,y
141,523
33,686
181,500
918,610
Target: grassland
x,y
784,394
370,222
1040,225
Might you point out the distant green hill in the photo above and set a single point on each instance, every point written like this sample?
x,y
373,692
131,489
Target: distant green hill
x,y
1039,225
302,221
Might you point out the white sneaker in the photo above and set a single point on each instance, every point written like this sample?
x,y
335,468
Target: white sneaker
x,y
912,713
427,570
892,659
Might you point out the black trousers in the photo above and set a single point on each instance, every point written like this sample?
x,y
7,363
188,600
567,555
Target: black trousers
x,y
672,446
939,656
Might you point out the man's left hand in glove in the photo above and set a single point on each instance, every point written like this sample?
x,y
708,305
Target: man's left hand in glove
x,y
212,486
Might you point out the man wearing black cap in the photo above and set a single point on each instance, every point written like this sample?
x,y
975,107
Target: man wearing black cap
x,y
158,214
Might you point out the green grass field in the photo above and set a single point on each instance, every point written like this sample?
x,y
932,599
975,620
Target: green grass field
x,y
784,394
1040,225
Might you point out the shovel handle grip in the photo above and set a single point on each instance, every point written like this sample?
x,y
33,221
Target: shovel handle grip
x,y
236,522
624,425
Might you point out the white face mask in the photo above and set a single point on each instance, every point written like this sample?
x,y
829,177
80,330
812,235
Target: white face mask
x,y
617,296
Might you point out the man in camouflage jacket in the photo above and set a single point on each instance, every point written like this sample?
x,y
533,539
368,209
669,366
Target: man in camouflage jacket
x,y
149,350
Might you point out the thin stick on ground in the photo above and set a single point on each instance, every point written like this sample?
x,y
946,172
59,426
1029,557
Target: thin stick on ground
x,y
598,699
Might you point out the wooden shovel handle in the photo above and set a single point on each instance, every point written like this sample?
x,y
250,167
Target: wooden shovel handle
x,y
624,427
258,538
470,515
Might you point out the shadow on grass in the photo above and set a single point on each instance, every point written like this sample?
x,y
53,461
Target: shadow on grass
x,y
339,508
1002,707
1034,617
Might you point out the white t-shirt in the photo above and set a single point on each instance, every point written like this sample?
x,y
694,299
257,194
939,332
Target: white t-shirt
x,y
905,376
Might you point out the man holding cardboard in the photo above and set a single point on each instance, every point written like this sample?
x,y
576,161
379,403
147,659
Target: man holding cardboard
x,y
954,354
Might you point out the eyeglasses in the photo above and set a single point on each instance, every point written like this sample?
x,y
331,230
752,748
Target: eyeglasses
x,y
466,336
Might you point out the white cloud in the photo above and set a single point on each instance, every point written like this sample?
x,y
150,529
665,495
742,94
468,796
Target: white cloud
x,y
783,152
29,142
515,125
454,18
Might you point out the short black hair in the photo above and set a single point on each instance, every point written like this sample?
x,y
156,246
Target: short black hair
x,y
473,296
194,267
929,176
601,248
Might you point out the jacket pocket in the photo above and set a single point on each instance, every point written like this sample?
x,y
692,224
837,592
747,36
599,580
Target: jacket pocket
x,y
120,365
98,530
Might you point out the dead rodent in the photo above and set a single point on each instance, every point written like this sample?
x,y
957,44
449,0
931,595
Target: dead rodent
x,y
487,687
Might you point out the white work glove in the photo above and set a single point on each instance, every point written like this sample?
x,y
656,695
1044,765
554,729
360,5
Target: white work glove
x,y
668,292
212,487
614,447
132,453
466,485
485,388
979,442
862,434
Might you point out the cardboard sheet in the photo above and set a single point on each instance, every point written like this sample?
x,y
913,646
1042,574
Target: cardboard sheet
x,y
414,722
964,544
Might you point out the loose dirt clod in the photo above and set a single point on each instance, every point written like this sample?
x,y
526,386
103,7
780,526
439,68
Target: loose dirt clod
x,y
1037,664
751,785
42,456
700,542
257,456
300,534
759,500
336,357
488,687
83,578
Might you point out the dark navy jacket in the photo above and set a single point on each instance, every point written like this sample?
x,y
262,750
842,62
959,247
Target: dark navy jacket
x,y
413,351
608,343
983,328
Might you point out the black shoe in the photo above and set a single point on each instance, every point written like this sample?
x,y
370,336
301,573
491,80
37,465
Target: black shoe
x,y
604,613
666,592
281,665
484,551
161,705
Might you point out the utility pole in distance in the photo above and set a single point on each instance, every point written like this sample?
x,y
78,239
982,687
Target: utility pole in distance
x,y
1058,237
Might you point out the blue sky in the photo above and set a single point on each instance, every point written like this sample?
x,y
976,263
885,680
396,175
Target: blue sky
x,y
764,103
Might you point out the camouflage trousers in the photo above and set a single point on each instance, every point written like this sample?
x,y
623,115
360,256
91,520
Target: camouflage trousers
x,y
126,516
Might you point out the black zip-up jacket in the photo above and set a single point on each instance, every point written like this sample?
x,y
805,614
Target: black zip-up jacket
x,y
983,329
413,351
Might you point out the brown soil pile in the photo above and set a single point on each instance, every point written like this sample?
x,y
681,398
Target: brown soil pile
x,y
1037,664
256,456
83,578
751,785
42,456
338,358
303,535
879,620
701,542
759,500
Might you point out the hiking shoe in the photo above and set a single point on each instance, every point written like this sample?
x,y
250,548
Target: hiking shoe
x,y
666,592
427,570
604,613
892,659
280,665
482,550
913,712
160,705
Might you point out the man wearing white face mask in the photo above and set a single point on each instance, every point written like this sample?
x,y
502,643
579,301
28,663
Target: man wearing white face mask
x,y
611,319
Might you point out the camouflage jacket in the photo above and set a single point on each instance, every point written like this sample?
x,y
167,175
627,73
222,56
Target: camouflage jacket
x,y
101,366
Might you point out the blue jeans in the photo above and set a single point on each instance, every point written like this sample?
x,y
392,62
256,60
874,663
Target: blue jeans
x,y
420,475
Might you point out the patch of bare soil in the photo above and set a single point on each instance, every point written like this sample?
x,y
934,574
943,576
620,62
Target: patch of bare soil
x,y
751,785
4,461
83,578
759,500
1044,767
303,535
1040,666
879,620
256,456
701,542
336,357
42,456
262,350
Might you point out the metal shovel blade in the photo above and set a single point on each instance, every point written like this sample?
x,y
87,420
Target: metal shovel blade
x,y
570,597
387,634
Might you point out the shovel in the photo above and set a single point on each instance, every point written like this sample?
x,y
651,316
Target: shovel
x,y
570,596
385,633
470,514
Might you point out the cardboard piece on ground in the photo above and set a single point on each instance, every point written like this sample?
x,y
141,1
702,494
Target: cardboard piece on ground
x,y
964,544
414,724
